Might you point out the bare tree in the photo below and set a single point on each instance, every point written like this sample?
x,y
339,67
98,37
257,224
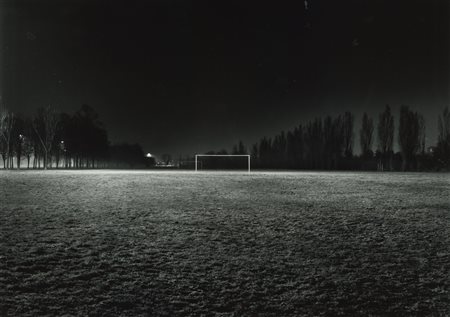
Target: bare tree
x,y
386,136
27,148
45,124
443,145
422,135
348,134
409,135
444,126
17,139
366,136
3,148
6,128
255,154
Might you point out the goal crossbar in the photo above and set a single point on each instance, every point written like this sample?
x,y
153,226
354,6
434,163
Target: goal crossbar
x,y
223,155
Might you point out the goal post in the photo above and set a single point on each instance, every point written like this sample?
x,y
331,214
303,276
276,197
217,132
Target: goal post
x,y
197,156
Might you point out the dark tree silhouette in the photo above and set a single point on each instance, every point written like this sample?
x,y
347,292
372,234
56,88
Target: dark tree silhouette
x,y
409,135
27,148
328,139
70,141
366,136
265,150
279,150
347,128
7,120
386,138
17,139
314,144
290,151
334,141
422,134
88,137
3,139
443,145
295,148
255,155
45,123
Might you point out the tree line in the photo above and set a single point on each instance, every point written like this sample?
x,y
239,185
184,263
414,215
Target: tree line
x,y
328,144
59,140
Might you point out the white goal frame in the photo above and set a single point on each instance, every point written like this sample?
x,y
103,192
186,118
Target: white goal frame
x,y
224,155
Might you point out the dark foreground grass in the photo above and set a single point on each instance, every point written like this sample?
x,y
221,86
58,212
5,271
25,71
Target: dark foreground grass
x,y
224,244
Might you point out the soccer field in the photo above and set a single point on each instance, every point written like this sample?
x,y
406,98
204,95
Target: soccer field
x,y
138,243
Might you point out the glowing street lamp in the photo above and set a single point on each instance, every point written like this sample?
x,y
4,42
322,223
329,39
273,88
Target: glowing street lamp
x,y
62,146
148,155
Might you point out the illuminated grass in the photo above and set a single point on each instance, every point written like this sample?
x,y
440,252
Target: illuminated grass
x,y
271,244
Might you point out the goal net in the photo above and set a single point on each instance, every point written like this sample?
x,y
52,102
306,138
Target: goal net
x,y
222,161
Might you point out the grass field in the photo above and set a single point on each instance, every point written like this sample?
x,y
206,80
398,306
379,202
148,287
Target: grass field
x,y
224,244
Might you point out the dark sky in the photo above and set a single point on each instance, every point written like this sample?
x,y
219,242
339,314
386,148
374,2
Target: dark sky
x,y
191,76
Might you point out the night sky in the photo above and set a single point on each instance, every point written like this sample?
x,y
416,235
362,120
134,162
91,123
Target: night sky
x,y
190,76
